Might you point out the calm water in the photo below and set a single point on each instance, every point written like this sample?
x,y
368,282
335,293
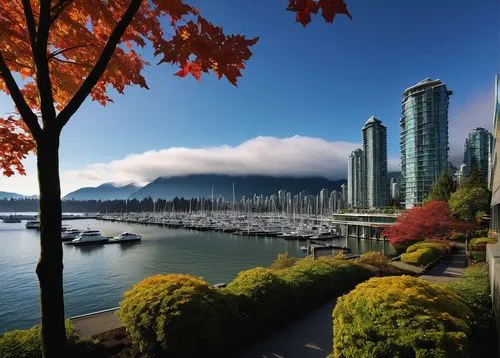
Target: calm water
x,y
95,277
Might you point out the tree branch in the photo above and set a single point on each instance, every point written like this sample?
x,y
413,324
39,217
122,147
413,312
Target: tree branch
x,y
43,81
25,111
63,50
100,65
58,8
30,22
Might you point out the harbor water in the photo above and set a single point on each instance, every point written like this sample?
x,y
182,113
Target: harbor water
x,y
95,277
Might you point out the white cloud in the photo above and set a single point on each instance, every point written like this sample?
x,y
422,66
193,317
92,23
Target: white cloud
x,y
476,112
297,156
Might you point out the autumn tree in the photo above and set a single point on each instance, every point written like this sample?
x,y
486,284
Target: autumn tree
x,y
56,53
443,188
432,221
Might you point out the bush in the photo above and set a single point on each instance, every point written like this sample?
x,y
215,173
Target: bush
x,y
174,315
376,262
260,294
400,316
423,253
283,261
474,288
27,343
482,241
478,256
481,233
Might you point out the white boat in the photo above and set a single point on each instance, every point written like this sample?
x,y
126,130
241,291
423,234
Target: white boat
x,y
126,236
33,225
89,237
69,235
325,235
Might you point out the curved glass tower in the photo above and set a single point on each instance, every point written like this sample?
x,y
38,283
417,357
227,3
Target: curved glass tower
x,y
424,138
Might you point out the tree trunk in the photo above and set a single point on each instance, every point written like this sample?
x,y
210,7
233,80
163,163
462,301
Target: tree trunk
x,y
50,264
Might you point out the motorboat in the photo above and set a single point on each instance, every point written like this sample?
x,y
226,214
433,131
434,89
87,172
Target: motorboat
x,y
69,235
89,237
325,235
33,224
11,219
125,237
295,235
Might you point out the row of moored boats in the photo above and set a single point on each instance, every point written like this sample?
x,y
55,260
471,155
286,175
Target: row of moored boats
x,y
77,237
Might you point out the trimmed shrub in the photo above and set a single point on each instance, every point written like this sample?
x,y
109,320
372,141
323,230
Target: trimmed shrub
x,y
400,316
423,253
376,261
174,315
420,257
482,241
260,294
27,343
283,261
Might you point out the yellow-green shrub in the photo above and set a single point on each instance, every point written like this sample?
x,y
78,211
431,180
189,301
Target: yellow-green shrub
x,y
400,316
376,261
482,241
174,315
27,343
283,261
424,252
260,294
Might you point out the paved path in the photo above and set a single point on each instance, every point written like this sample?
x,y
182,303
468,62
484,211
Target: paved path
x,y
449,269
96,323
309,337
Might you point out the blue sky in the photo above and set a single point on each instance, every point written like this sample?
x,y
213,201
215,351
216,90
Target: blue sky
x,y
323,81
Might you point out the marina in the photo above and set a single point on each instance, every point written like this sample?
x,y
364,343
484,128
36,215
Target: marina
x,y
96,276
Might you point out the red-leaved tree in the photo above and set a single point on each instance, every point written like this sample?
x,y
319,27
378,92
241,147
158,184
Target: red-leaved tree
x,y
63,51
432,221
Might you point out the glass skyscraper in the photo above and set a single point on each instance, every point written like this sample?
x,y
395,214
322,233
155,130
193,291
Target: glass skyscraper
x,y
375,151
424,138
477,152
356,179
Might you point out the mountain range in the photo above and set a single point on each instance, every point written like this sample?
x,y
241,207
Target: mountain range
x,y
200,185
106,191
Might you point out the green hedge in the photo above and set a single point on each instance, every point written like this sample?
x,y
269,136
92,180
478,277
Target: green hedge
x,y
482,241
174,315
423,253
283,261
180,316
27,343
474,288
400,316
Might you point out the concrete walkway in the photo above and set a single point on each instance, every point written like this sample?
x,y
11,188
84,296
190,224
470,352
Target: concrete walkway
x,y
309,337
92,324
448,269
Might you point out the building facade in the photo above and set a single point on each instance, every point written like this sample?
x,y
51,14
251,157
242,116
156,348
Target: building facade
x,y
375,152
424,138
356,179
477,150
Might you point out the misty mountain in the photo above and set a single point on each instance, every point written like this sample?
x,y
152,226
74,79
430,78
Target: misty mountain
x,y
106,191
7,195
200,185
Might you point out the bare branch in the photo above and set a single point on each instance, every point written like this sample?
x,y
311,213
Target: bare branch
x,y
63,50
42,66
30,22
100,65
25,111
58,8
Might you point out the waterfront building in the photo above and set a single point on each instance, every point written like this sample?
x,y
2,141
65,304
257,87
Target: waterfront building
x,y
424,138
356,179
477,150
343,193
323,201
375,152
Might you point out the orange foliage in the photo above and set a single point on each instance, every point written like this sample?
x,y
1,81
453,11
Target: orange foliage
x,y
70,38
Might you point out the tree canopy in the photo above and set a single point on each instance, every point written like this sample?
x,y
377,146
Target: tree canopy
x,y
443,188
471,198
432,221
